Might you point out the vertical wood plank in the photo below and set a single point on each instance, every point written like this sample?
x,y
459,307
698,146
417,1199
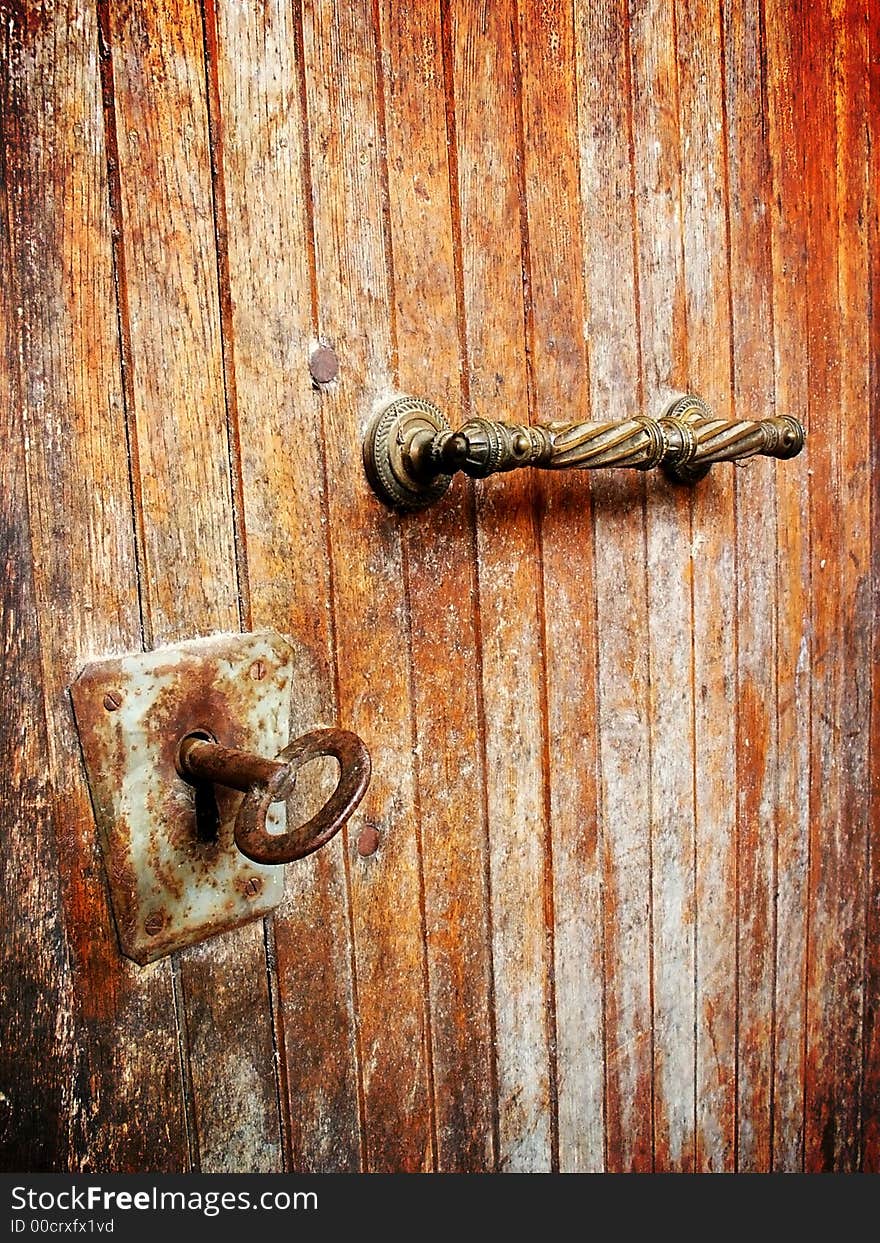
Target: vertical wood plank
x,y
561,390
621,622
172,323
260,141
440,566
835,942
509,583
354,301
841,555
823,346
670,601
756,629
116,1027
784,52
38,1005
715,573
871,1002
852,105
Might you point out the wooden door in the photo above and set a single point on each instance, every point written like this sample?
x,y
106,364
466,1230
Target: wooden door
x,y
623,913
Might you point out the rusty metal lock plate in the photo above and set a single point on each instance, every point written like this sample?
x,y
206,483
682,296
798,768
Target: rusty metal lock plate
x,y
171,887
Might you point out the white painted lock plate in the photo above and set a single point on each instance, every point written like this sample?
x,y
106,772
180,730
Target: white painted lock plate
x,y
171,884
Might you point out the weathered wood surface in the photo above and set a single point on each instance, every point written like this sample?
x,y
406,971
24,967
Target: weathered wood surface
x,y
260,148
183,432
559,379
670,564
113,1024
840,717
717,572
35,1100
485,85
748,1015
784,112
624,910
871,996
621,726
441,595
354,269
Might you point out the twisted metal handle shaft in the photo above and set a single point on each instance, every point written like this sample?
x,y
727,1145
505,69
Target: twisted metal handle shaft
x,y
411,453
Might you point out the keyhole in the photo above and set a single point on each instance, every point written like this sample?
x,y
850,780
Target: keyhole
x,y
207,813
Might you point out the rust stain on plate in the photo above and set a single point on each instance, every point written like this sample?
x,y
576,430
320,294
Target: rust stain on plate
x,y
169,886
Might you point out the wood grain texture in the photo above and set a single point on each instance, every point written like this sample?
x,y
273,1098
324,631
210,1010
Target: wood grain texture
x,y
487,124
440,570
261,147
372,623
608,229
113,1023
172,325
38,1003
823,346
669,542
756,770
871,997
829,1131
852,103
838,350
560,389
716,573
785,106
624,910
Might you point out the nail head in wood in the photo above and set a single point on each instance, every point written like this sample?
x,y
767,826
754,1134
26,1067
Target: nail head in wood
x,y
323,364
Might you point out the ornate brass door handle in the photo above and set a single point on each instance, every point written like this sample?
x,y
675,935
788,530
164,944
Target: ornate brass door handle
x,y
411,452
